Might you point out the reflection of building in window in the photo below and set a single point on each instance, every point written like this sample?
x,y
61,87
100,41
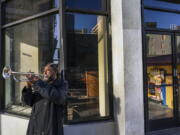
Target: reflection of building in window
x,y
100,30
18,9
156,80
159,45
56,56
151,24
82,60
160,95
174,27
29,46
86,51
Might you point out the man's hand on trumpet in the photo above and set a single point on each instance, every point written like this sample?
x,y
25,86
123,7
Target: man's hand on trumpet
x,y
32,79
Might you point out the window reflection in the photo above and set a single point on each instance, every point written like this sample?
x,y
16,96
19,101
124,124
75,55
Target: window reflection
x,y
164,20
87,66
170,4
178,70
87,4
160,80
26,48
18,9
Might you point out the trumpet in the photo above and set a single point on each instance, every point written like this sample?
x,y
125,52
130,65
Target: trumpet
x,y
7,73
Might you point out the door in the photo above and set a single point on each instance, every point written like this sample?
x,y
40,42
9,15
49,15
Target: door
x,y
177,75
161,97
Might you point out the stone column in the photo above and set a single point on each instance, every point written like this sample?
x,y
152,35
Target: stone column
x,y
127,67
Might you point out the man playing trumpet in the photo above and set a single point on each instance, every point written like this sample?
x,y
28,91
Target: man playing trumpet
x,y
47,97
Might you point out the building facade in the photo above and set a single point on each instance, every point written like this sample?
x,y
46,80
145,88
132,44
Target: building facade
x,y
120,58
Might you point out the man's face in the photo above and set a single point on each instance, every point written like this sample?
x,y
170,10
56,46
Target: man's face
x,y
49,74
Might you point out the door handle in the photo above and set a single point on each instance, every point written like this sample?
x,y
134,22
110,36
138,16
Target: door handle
x,y
175,72
177,90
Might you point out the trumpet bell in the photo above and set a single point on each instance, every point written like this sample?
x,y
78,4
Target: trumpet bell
x,y
6,73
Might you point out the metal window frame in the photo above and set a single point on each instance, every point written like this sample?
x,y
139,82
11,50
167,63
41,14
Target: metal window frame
x,y
144,31
110,87
2,93
62,11
84,11
109,59
147,121
33,17
162,9
2,62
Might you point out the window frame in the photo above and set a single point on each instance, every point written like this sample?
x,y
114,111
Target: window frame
x,y
2,97
61,10
155,8
146,30
109,58
2,47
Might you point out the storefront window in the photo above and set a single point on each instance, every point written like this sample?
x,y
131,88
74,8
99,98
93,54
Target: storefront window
x,y
87,67
31,39
86,4
29,47
18,9
160,79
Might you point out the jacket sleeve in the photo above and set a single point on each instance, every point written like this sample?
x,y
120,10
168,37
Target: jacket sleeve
x,y
27,96
55,94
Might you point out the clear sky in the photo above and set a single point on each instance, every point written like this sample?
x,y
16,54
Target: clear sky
x,y
85,21
163,19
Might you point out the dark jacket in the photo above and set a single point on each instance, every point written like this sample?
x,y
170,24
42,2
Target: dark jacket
x,y
47,101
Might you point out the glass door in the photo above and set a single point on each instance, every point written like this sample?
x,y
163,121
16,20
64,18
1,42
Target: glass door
x,y
177,74
160,84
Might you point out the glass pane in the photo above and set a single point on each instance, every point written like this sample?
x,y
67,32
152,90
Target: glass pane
x,y
87,4
26,47
178,71
87,67
160,80
164,20
17,9
169,4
